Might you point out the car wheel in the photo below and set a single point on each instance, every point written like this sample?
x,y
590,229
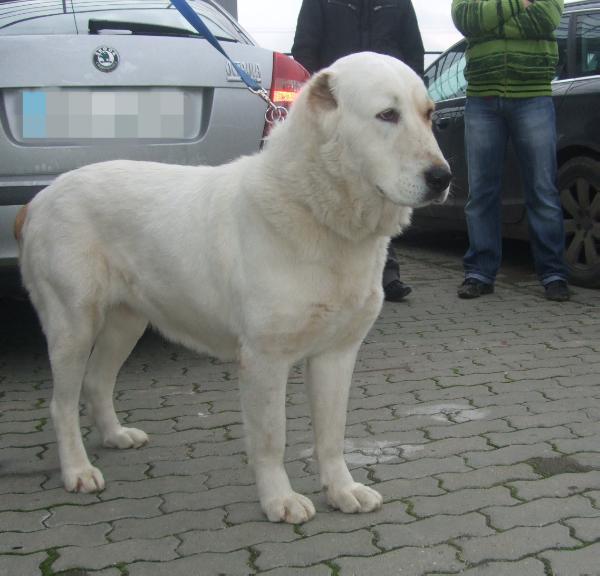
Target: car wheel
x,y
579,187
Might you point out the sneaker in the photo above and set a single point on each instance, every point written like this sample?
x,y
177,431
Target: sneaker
x,y
473,288
396,291
557,291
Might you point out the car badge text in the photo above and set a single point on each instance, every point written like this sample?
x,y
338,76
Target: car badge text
x,y
251,68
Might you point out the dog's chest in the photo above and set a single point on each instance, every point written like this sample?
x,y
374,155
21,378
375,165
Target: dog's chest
x,y
301,330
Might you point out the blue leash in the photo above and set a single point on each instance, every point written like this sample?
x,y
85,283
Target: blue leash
x,y
274,112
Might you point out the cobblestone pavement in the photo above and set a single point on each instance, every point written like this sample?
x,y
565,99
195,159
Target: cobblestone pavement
x,y
478,421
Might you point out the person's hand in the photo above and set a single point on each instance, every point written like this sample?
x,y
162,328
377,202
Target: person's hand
x,y
527,3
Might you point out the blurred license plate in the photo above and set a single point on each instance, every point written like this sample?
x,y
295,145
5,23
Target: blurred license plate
x,y
114,114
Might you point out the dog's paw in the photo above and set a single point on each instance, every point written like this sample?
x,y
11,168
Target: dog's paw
x,y
83,480
292,508
354,498
126,438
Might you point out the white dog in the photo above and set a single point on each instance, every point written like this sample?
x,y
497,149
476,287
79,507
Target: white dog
x,y
270,259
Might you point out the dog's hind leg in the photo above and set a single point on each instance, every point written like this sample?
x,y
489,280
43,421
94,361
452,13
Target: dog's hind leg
x,y
328,378
70,333
263,386
121,330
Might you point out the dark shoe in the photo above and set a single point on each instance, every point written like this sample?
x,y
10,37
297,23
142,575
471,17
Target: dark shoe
x,y
396,291
473,288
557,291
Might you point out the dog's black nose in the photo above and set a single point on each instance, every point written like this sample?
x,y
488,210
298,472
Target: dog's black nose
x,y
438,178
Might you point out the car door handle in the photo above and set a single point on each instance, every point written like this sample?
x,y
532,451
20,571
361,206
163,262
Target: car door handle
x,y
442,123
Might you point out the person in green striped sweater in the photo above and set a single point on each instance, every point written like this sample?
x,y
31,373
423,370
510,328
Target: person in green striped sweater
x,y
511,60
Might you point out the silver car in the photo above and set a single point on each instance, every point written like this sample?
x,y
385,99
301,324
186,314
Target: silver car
x,y
84,81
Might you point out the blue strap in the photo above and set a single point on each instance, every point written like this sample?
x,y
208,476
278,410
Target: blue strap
x,y
194,19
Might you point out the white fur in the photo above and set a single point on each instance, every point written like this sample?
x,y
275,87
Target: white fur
x,y
271,259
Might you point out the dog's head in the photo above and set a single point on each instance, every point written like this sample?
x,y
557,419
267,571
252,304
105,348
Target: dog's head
x,y
372,118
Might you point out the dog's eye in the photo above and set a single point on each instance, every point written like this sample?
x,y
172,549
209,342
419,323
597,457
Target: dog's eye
x,y
389,115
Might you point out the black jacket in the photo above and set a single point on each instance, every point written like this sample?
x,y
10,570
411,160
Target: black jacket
x,y
330,29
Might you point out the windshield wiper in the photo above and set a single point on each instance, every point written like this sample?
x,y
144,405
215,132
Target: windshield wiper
x,y
142,29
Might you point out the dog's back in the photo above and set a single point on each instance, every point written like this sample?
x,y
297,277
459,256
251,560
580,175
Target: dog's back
x,y
122,233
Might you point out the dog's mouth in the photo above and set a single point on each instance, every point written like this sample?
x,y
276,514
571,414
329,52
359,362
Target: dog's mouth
x,y
432,197
383,194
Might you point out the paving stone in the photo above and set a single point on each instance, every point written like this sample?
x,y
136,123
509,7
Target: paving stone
x,y
486,477
454,392
557,486
540,512
530,436
232,564
241,512
587,444
18,484
208,499
431,531
589,460
467,429
315,549
586,529
107,555
198,466
412,562
153,487
218,448
509,455
583,561
562,405
320,570
446,447
461,501
229,539
549,419
516,543
44,499
404,423
27,542
24,521
144,455
419,468
594,496
392,490
528,567
336,522
167,524
13,565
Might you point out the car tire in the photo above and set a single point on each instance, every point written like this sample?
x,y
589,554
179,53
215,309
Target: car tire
x,y
579,188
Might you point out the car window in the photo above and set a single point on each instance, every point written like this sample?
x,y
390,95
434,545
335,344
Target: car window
x,y
32,17
445,78
35,17
588,44
562,37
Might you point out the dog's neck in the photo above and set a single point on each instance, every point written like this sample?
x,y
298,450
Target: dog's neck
x,y
342,203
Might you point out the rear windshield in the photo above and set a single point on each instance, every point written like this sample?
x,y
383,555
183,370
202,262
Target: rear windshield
x,y
30,17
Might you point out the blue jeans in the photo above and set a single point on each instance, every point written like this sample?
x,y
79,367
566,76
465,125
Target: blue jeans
x,y
530,124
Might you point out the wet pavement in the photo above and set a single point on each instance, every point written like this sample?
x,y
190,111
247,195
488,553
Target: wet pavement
x,y
478,421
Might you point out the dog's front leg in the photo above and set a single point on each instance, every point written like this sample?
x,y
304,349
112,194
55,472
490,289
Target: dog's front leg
x,y
328,377
263,386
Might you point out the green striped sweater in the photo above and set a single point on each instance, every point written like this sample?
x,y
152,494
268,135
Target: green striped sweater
x,y
512,50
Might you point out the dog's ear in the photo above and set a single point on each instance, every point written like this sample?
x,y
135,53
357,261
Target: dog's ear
x,y
321,95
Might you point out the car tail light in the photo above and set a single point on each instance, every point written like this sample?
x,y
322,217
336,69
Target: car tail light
x,y
288,78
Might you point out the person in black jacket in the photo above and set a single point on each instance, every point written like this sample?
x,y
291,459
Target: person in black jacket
x,y
330,29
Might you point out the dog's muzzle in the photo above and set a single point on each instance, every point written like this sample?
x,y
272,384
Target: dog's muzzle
x,y
437,179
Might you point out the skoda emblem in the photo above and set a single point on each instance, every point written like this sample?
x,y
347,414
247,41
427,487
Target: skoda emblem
x,y
106,59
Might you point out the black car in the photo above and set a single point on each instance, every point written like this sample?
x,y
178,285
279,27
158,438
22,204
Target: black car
x,y
576,92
